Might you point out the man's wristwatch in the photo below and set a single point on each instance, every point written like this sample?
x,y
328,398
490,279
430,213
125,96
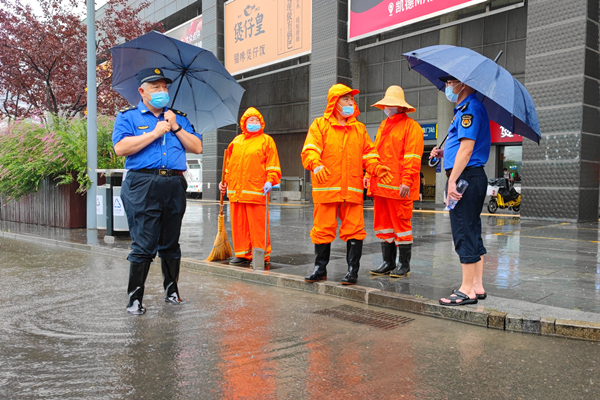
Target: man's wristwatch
x,y
177,130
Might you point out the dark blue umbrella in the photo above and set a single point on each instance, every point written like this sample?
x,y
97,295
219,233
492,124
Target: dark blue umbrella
x,y
507,101
201,86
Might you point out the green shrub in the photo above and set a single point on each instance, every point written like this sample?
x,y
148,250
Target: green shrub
x,y
30,152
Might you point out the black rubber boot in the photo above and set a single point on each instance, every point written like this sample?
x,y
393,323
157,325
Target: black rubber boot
x,y
353,254
389,259
403,268
322,252
138,272
170,272
241,262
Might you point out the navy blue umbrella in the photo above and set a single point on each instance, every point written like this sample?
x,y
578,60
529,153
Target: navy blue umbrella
x,y
507,101
201,86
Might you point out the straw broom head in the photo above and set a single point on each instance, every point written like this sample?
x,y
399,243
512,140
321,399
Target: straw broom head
x,y
221,249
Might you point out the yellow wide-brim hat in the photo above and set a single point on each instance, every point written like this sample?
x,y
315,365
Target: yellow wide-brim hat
x,y
394,97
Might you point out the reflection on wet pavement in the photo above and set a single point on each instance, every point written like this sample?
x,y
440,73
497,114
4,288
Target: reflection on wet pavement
x,y
539,262
65,334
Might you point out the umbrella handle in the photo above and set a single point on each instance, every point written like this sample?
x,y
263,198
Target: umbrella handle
x,y
223,176
181,76
433,162
266,219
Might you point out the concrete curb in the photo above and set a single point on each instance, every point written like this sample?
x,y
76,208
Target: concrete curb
x,y
476,315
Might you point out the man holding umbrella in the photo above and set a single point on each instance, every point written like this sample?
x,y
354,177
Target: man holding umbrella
x,y
154,139
466,152
483,90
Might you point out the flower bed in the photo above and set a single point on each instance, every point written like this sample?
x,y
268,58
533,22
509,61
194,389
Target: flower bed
x,y
43,170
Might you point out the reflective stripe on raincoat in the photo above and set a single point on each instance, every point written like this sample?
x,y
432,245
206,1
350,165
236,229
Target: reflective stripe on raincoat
x,y
252,160
343,150
399,143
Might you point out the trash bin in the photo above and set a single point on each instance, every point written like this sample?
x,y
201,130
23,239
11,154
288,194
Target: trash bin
x,y
119,218
109,206
101,206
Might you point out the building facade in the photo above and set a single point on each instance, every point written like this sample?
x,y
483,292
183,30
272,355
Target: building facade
x,y
551,46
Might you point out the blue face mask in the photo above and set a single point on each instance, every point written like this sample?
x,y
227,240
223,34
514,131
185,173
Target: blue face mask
x,y
159,99
253,127
347,111
450,95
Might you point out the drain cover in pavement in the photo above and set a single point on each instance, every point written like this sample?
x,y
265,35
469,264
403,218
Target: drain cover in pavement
x,y
376,319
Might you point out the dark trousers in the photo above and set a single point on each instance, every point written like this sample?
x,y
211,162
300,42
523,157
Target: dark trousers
x,y
465,218
154,206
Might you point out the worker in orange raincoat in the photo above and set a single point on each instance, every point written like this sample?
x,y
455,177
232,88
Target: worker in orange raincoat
x,y
252,170
336,150
399,143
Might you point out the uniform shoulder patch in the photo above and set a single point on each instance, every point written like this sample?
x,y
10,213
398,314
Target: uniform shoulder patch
x,y
466,121
128,108
179,112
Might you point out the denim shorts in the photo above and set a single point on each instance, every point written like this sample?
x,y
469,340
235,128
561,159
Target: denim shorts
x,y
465,218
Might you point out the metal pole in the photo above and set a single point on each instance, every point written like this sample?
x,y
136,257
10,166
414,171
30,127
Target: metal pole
x,y
92,140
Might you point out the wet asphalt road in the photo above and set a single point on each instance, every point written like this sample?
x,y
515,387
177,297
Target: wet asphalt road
x,y
65,334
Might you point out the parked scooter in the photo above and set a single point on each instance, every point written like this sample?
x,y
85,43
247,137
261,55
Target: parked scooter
x,y
502,196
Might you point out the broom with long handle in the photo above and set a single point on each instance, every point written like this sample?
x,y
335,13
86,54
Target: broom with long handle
x,y
221,249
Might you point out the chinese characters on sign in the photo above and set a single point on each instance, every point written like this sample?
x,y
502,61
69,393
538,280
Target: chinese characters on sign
x,y
190,32
502,135
429,131
369,17
263,32
409,4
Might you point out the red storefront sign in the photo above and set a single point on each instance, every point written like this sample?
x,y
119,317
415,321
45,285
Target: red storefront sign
x,y
502,135
188,32
369,17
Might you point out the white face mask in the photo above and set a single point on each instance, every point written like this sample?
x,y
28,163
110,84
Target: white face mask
x,y
389,111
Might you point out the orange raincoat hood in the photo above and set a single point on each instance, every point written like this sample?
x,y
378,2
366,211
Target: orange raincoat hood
x,y
252,160
345,150
252,112
335,92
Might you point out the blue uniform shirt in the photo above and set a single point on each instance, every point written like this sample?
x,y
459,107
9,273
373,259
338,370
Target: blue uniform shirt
x,y
470,121
137,121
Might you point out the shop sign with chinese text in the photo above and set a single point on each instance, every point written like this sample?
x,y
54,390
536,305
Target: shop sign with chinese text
x,y
429,131
369,17
263,32
189,32
502,135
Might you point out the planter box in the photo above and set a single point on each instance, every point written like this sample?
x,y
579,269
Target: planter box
x,y
52,205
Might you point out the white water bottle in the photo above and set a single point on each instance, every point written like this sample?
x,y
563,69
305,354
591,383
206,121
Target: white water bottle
x,y
461,186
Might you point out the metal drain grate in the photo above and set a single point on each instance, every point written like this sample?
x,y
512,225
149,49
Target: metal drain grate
x,y
376,319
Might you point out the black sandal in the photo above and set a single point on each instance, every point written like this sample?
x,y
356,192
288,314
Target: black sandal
x,y
481,296
458,295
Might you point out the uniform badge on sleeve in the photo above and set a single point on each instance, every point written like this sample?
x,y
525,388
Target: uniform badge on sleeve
x,y
466,121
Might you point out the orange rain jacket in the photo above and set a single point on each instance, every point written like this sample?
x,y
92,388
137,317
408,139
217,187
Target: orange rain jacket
x,y
252,160
399,143
343,150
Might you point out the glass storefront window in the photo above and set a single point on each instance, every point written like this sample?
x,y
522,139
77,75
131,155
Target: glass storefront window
x,y
512,157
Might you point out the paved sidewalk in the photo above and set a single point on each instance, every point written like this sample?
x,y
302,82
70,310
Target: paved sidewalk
x,y
533,268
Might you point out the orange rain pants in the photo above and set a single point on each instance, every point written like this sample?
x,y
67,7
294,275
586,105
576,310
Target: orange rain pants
x,y
392,220
248,229
325,222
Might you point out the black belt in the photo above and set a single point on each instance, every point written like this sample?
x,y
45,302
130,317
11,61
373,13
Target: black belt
x,y
161,172
449,171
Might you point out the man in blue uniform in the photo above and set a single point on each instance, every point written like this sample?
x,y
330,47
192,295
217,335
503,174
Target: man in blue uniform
x,y
154,139
467,150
